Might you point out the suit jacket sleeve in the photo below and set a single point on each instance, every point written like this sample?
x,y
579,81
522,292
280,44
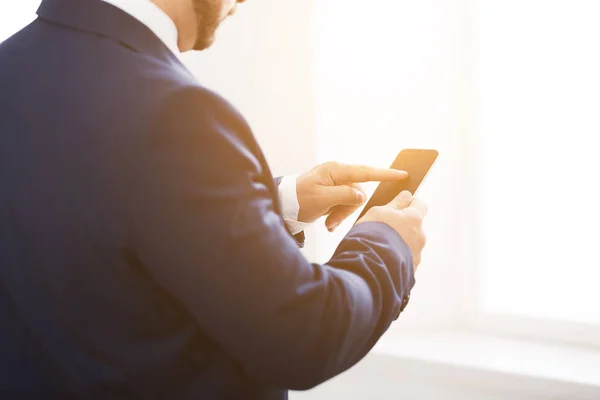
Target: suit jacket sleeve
x,y
206,227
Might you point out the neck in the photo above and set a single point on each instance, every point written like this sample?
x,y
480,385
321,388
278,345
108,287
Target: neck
x,y
182,13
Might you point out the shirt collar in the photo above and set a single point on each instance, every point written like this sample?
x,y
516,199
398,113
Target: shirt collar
x,y
153,17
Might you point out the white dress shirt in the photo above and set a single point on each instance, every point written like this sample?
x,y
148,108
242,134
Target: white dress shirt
x,y
155,19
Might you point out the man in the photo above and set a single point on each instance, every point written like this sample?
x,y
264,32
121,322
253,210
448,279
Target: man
x,y
145,249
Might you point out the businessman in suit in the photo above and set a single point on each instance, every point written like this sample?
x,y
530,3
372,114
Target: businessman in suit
x,y
146,251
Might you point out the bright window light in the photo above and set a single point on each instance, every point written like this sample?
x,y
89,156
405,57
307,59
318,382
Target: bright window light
x,y
387,79
537,102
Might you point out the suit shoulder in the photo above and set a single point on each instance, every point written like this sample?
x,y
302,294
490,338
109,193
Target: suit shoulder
x,y
193,102
195,94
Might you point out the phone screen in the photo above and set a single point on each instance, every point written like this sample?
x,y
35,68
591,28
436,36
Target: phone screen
x,y
417,162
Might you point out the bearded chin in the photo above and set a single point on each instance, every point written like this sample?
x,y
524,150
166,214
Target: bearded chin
x,y
207,14
204,42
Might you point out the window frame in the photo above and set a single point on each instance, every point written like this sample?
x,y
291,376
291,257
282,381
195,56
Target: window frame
x,y
471,316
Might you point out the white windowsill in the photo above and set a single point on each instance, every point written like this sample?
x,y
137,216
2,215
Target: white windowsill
x,y
502,364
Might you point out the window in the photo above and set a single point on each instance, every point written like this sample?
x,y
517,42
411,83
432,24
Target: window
x,y
537,102
509,92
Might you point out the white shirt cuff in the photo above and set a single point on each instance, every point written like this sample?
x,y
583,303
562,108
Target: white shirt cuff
x,y
290,206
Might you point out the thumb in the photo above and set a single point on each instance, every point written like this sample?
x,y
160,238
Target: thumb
x,y
402,201
344,196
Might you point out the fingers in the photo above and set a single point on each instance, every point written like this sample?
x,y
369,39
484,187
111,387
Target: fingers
x,y
340,212
402,201
345,196
342,174
338,215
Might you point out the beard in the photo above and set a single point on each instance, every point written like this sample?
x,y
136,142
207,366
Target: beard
x,y
208,15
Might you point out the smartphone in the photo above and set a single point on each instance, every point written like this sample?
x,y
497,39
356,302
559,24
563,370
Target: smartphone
x,y
417,162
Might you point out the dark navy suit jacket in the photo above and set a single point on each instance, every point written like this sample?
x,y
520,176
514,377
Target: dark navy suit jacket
x,y
142,250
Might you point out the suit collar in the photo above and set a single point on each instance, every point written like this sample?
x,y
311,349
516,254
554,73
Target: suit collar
x,y
153,17
103,19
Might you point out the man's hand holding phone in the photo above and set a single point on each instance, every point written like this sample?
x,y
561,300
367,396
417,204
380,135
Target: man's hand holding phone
x,y
333,189
405,215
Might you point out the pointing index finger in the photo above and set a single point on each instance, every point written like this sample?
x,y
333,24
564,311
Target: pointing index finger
x,y
346,174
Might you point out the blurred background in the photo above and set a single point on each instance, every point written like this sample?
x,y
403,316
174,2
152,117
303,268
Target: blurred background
x,y
507,301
